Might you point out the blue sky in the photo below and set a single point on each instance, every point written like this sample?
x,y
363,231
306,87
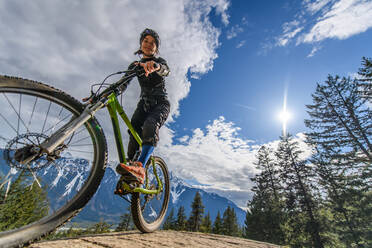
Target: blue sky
x,y
247,83
232,62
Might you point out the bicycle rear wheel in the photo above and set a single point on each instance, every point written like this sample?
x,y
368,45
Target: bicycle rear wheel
x,y
38,196
148,211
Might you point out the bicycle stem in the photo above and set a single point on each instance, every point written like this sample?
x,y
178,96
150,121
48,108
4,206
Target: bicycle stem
x,y
57,138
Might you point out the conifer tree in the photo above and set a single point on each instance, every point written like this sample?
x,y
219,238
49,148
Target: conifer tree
x,y
230,222
126,222
206,225
269,175
299,190
265,210
217,225
99,227
337,199
170,221
197,211
340,123
365,83
25,203
181,219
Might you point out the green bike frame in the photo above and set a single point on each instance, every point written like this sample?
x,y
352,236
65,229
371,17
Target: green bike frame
x,y
114,107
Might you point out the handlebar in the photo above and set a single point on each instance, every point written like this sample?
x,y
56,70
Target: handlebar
x,y
136,71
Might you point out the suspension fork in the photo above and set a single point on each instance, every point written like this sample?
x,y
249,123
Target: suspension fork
x,y
64,132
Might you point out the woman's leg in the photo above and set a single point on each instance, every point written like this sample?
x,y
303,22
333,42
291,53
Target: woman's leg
x,y
138,118
150,131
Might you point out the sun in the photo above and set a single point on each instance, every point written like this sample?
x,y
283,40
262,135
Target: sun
x,y
284,117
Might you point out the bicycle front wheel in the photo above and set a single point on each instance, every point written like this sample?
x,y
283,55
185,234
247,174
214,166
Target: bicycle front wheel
x,y
39,195
149,210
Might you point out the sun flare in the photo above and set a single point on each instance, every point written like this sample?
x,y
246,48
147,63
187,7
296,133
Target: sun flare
x,y
284,116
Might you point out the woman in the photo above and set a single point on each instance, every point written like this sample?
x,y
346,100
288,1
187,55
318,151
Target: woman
x,y
152,109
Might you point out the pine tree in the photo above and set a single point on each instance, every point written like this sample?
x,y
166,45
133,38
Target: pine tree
x,y
365,83
269,175
206,225
197,211
217,225
25,203
126,222
338,199
99,227
301,204
170,222
181,219
340,123
230,222
265,215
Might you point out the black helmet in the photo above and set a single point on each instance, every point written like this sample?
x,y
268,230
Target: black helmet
x,y
151,32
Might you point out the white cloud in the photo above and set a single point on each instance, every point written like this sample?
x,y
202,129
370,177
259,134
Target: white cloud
x,y
313,51
219,159
71,44
346,18
234,31
316,6
240,44
327,19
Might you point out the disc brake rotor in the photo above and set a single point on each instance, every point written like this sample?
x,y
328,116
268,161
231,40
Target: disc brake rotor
x,y
23,146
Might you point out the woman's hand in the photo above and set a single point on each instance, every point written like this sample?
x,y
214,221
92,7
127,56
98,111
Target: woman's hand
x,y
150,67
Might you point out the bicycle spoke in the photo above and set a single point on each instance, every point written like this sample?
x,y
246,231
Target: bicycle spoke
x,y
19,110
33,111
7,190
19,117
81,151
79,140
22,143
57,123
6,179
1,137
33,174
10,125
81,130
82,145
46,117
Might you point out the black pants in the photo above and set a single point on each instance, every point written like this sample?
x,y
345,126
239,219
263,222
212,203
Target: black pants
x,y
147,119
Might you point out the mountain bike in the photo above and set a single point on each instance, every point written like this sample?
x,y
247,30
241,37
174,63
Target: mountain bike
x,y
53,155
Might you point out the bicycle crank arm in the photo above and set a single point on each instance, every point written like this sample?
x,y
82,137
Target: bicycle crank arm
x,y
58,137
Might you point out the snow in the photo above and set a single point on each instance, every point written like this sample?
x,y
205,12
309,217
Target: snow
x,y
56,180
153,213
176,194
71,185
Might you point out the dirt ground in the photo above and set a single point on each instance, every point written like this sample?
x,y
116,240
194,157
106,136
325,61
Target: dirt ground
x,y
153,240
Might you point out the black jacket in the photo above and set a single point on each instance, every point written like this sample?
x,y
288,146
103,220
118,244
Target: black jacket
x,y
153,85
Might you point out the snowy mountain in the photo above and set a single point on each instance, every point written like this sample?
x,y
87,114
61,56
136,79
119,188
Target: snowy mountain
x,y
106,206
68,174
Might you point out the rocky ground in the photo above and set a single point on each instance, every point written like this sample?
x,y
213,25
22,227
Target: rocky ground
x,y
154,240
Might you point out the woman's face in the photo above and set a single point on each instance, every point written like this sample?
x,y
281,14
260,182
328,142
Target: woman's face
x,y
148,46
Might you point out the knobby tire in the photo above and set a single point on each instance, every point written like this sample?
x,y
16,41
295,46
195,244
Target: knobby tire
x,y
31,232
